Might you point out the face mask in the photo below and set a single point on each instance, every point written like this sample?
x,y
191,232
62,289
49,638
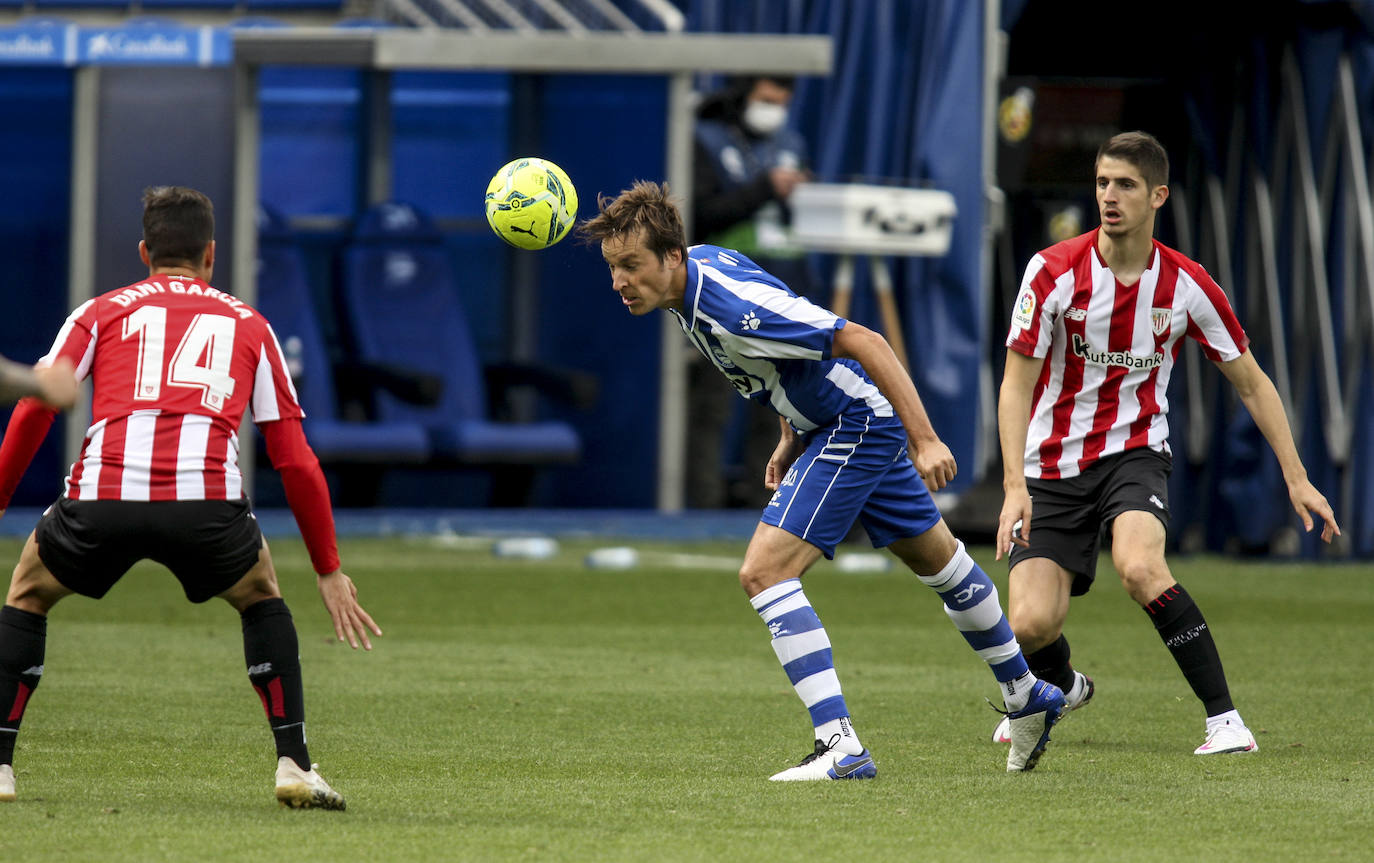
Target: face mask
x,y
764,118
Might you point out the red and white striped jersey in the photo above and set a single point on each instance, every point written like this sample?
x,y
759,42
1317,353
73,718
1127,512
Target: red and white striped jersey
x,y
175,363
1109,349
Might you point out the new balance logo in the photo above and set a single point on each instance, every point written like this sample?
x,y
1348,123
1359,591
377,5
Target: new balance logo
x,y
260,668
967,594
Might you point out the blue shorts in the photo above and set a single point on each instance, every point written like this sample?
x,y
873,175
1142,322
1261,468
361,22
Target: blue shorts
x,y
855,468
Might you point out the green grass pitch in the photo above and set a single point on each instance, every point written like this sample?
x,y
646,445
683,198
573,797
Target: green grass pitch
x,y
539,710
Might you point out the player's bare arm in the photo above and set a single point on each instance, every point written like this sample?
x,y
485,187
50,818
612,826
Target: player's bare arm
x,y
55,385
788,449
17,381
1013,422
1261,399
933,460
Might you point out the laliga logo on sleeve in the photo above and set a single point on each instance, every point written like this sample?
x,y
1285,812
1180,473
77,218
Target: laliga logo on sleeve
x,y
1024,314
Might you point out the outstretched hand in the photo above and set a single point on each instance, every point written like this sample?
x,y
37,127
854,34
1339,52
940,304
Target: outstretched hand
x,y
1306,501
351,622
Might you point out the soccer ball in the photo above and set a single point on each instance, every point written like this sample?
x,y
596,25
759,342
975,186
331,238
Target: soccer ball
x,y
531,203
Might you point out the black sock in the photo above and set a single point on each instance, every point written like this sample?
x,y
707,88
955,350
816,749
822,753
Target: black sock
x,y
1180,625
23,636
274,668
1051,664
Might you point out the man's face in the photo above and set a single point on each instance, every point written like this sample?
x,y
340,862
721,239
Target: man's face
x,y
1125,202
765,108
644,282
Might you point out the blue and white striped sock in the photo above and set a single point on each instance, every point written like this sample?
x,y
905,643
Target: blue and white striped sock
x,y
971,602
803,648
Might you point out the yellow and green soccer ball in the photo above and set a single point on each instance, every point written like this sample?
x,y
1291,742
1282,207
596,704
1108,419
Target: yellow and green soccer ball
x,y
531,203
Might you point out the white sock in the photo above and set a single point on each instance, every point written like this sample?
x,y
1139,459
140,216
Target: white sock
x,y
1015,693
848,741
1230,716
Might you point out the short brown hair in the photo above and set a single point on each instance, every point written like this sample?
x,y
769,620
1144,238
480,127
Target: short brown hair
x,y
644,206
1142,150
178,223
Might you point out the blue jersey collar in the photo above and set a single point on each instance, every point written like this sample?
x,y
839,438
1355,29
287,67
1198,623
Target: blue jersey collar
x,y
692,292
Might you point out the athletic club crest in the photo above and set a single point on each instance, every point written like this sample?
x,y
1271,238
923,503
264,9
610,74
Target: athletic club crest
x,y
1159,320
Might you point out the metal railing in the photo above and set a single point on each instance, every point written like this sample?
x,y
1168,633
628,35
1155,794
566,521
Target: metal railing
x,y
534,16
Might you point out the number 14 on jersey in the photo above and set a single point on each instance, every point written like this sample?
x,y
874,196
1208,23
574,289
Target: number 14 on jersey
x,y
201,359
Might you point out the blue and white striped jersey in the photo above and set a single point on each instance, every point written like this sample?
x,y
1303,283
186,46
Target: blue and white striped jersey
x,y
773,345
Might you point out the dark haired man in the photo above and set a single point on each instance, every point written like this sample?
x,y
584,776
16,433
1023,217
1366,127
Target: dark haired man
x,y
176,363
848,413
1094,333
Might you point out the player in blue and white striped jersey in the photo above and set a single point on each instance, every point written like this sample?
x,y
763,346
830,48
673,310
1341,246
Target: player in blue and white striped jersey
x,y
848,413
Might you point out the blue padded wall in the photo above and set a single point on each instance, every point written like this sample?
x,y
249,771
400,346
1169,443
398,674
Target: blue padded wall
x,y
35,169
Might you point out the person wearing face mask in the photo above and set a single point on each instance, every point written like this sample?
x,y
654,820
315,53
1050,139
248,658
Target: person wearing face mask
x,y
747,163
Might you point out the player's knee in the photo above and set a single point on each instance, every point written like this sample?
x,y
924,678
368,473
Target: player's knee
x,y
751,580
1143,578
1032,630
756,579
1033,621
257,584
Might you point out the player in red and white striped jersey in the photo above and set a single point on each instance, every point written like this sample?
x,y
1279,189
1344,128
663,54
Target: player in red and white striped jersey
x,y
1096,328
175,364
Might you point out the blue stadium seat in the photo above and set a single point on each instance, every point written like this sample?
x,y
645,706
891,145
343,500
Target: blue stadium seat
x,y
403,307
284,298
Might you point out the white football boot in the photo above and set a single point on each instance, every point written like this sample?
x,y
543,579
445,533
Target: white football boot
x,y
1078,695
304,789
6,783
1228,737
827,763
1030,726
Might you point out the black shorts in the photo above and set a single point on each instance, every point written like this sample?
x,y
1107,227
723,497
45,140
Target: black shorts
x,y
1070,517
208,545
